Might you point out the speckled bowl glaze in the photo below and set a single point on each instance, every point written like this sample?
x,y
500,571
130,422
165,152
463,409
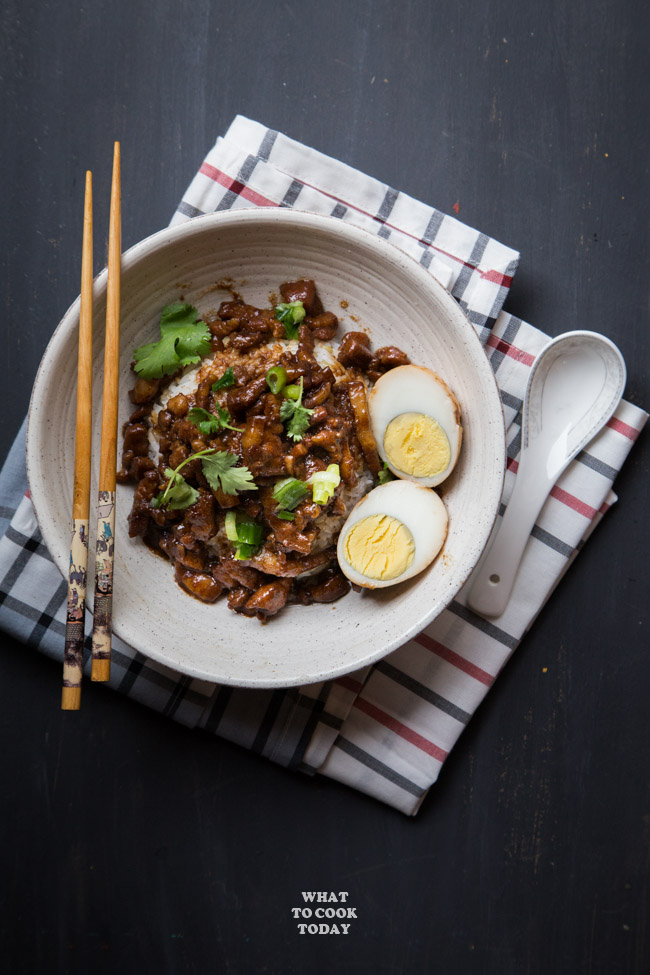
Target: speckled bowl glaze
x,y
398,303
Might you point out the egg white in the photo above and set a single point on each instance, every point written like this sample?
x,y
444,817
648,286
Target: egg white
x,y
415,389
417,507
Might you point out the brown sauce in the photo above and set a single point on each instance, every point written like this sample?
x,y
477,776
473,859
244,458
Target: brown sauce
x,y
192,539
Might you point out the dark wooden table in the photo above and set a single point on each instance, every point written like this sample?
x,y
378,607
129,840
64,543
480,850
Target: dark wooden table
x,y
132,845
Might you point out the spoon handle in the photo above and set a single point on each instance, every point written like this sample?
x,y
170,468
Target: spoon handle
x,y
495,576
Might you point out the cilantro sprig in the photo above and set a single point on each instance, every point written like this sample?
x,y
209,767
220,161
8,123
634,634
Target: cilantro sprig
x,y
220,472
184,339
178,494
295,415
209,423
290,314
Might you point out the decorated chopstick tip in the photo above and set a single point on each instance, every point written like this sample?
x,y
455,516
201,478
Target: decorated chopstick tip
x,y
103,604
74,631
77,572
104,556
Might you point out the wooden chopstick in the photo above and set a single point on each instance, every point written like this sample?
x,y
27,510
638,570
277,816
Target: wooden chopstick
x,y
103,608
76,613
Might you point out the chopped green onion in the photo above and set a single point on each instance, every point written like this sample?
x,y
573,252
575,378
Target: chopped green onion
x,y
292,391
231,526
243,551
244,532
289,493
276,379
249,532
285,515
325,483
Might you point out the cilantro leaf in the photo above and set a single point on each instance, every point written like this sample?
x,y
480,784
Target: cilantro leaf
x,y
184,339
182,494
157,358
194,339
225,418
178,494
177,315
298,423
209,423
206,422
290,314
295,415
220,472
228,379
385,475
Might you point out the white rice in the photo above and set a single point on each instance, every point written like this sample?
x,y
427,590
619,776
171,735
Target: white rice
x,y
330,526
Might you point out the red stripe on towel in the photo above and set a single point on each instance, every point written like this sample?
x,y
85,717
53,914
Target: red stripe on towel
x,y
454,658
234,184
400,729
494,342
630,432
572,502
559,494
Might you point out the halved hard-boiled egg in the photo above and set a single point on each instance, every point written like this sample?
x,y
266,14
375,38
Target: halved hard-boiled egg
x,y
415,420
393,533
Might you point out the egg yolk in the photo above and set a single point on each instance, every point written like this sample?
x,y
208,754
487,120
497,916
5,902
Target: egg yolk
x,y
416,444
379,547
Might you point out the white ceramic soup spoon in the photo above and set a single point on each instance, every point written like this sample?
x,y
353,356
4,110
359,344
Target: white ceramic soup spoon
x,y
575,385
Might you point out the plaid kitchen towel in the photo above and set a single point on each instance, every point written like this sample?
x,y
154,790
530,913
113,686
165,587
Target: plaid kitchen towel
x,y
385,730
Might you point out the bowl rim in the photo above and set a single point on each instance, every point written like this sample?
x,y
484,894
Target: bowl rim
x,y
170,236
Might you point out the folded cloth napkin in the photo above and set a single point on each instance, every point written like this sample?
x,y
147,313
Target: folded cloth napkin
x,y
386,729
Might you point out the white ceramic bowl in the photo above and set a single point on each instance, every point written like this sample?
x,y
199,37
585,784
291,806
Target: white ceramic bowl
x,y
388,294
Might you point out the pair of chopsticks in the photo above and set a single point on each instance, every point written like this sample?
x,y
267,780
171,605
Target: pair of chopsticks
x,y
103,603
